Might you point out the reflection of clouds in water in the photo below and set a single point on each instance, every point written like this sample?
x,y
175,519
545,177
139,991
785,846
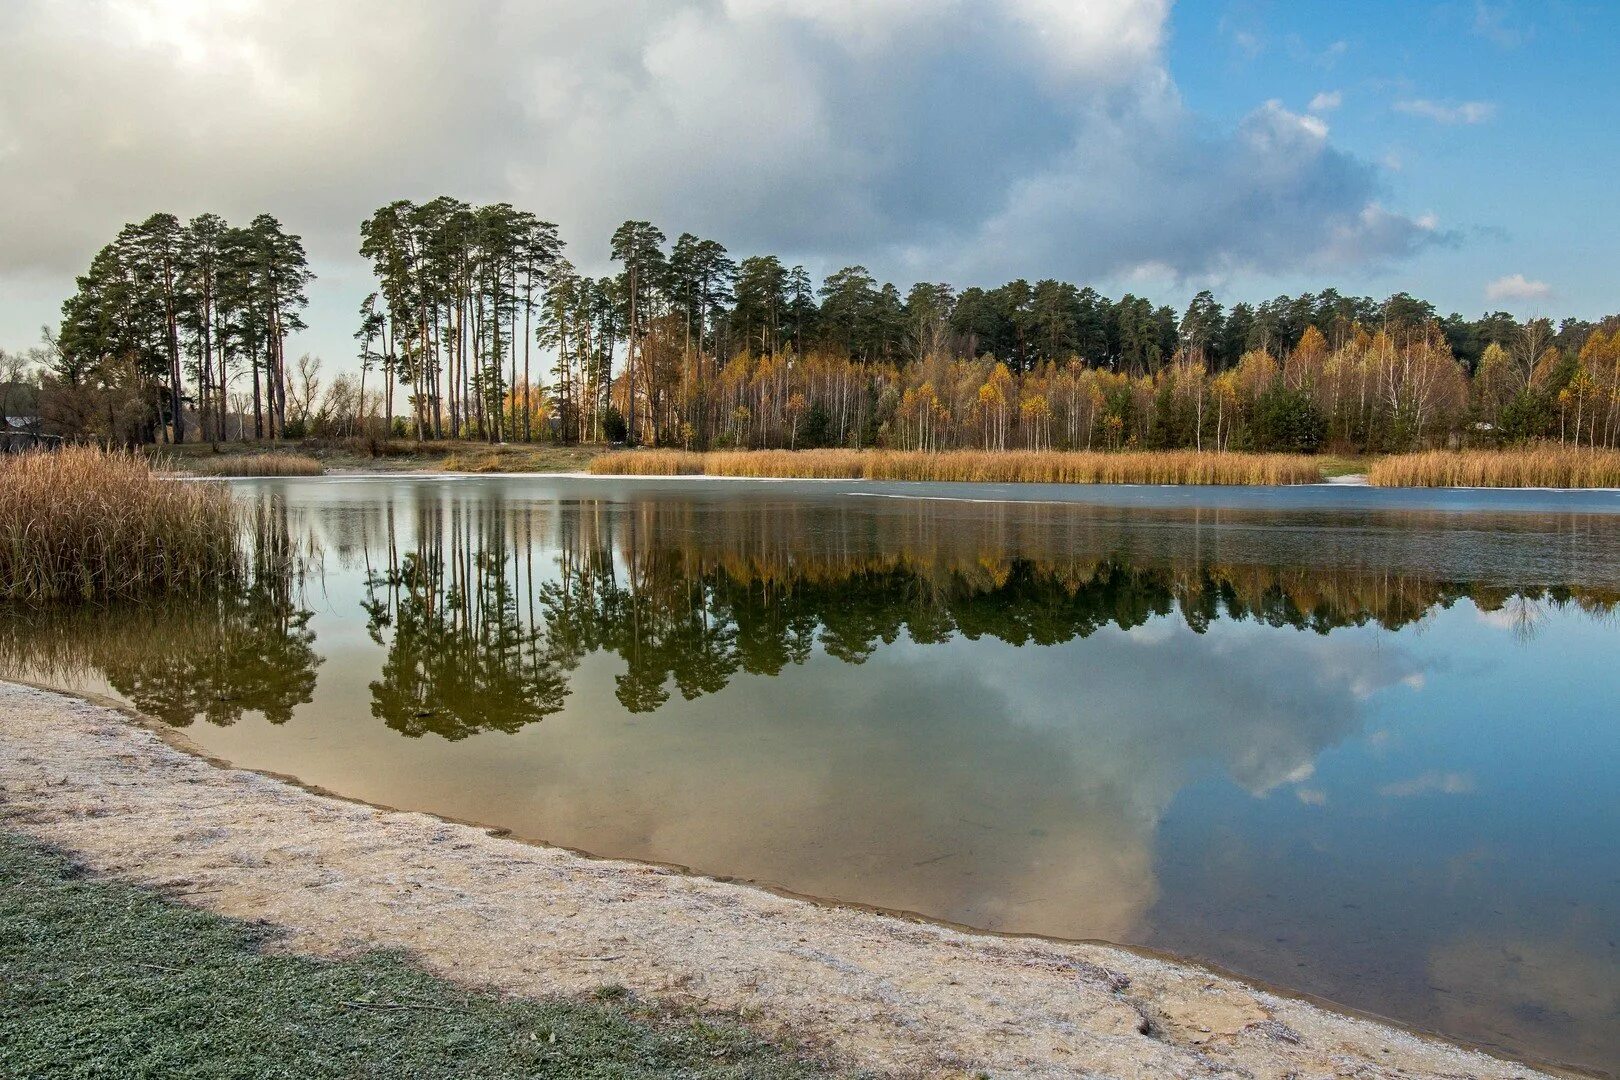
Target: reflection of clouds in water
x,y
1430,783
1554,989
1520,615
1153,632
1014,788
1301,774
1259,702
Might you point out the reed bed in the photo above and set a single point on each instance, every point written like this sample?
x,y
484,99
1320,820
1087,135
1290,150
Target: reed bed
x,y
486,462
1547,466
87,524
256,465
973,466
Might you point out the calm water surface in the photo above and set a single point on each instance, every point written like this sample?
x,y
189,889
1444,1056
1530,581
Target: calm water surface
x,y
1361,744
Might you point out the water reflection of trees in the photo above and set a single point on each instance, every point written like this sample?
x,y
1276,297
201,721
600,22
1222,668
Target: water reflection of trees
x,y
485,608
245,646
460,659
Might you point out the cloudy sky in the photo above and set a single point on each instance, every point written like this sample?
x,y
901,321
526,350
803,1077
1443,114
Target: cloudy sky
x,y
1458,149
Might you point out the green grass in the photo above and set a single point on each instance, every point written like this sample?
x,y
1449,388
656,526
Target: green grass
x,y
104,979
1343,464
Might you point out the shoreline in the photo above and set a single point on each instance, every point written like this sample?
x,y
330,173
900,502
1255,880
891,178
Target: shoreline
x,y
892,992
1349,494
405,458
1348,480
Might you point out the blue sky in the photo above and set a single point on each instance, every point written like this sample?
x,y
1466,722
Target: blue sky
x,y
1456,149
1529,186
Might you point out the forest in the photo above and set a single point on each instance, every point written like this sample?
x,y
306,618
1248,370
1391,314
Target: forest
x,y
481,328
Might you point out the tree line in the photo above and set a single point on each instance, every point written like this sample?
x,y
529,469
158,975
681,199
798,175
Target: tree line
x,y
168,318
685,345
480,327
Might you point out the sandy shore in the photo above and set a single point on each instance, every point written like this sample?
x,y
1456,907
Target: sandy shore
x,y
884,993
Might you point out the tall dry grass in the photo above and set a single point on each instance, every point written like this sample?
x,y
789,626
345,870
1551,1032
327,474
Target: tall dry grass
x,y
1549,466
973,466
255,465
87,524
481,461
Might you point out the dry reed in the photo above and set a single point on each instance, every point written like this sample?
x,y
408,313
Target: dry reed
x,y
86,524
473,462
973,466
1545,466
255,465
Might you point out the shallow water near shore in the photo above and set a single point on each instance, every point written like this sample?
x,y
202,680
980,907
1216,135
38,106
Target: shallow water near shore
x,y
1357,743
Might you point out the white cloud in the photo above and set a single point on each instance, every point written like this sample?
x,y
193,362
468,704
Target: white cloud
x,y
1095,39
1491,23
1517,287
1326,101
1248,43
1465,112
1313,125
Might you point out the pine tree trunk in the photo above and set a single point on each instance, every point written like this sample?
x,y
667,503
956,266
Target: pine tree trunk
x,y
258,410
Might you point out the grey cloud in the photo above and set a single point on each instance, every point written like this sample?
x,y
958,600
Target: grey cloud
x,y
978,138
1273,195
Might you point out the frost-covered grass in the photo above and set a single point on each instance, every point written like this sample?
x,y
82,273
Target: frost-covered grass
x,y
100,978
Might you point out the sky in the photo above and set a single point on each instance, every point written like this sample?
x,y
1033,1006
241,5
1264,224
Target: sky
x,y
1460,150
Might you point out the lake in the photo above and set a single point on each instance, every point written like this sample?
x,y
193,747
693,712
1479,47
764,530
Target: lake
x,y
1361,744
